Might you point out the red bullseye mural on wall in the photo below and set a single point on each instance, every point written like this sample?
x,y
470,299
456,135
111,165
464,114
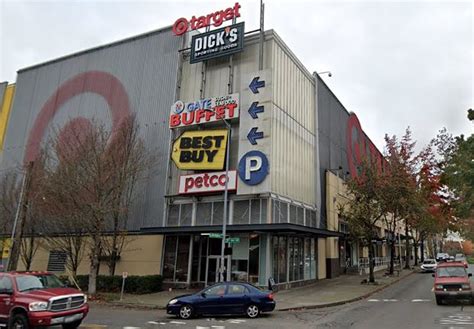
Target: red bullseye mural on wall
x,y
97,82
360,147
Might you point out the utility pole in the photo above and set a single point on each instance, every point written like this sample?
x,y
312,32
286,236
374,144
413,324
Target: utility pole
x,y
20,219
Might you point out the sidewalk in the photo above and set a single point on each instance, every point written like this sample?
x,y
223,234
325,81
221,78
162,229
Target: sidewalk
x,y
341,290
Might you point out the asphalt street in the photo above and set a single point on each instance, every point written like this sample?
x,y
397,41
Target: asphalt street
x,y
407,304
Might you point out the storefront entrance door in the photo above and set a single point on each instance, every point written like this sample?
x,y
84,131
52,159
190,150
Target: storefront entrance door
x,y
212,269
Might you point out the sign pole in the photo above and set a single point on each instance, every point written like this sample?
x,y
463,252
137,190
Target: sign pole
x,y
224,219
124,276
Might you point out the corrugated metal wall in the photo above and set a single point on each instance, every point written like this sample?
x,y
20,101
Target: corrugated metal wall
x,y
293,136
333,118
145,66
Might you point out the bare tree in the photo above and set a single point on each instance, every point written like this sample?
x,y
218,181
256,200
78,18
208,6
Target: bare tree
x,y
9,192
128,157
91,175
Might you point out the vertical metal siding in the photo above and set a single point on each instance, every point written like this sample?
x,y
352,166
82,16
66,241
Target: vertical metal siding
x,y
292,130
146,67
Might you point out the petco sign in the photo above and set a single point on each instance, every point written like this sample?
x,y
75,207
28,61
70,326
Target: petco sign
x,y
204,111
207,182
217,43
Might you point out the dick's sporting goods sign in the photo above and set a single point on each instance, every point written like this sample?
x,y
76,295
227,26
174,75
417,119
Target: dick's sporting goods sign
x,y
217,43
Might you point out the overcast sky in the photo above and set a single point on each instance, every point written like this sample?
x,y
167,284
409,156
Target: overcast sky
x,y
395,64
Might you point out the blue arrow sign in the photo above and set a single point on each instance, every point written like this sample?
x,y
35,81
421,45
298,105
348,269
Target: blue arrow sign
x,y
255,109
253,135
255,84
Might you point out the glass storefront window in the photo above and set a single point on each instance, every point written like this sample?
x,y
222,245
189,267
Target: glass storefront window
x,y
291,251
254,251
308,259
314,254
181,274
282,258
169,258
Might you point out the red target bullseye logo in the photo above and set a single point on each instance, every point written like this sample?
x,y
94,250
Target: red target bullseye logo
x,y
97,82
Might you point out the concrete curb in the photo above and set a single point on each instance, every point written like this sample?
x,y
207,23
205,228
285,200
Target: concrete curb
x,y
306,307
346,301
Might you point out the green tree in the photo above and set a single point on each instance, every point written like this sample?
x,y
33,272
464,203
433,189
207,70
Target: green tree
x,y
363,210
457,166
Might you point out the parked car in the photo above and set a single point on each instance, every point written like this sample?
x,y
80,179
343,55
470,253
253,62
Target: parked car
x,y
223,298
452,282
39,299
460,258
442,257
429,265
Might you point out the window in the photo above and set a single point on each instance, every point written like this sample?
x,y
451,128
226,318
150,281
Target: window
x,y
5,284
218,290
57,261
204,213
169,257
241,212
279,259
181,274
28,282
236,289
175,260
254,252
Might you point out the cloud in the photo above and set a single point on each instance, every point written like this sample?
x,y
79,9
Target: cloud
x,y
396,64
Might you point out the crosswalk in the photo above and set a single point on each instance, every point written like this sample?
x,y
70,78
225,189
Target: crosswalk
x,y
213,324
396,300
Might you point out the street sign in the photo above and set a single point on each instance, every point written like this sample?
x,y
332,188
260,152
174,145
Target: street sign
x,y
215,235
256,84
232,240
253,167
256,98
253,135
255,109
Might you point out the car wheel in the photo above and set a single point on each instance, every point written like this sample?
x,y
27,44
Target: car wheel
x,y
72,325
439,300
252,311
185,312
19,321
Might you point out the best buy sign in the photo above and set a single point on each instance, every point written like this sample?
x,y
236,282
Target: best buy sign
x,y
200,150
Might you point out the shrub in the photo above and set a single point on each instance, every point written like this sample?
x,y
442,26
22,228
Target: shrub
x,y
134,284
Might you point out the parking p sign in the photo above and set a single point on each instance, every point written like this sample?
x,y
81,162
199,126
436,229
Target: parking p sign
x,y
253,167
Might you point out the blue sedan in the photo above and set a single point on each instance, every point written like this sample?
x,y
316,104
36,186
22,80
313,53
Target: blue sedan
x,y
221,299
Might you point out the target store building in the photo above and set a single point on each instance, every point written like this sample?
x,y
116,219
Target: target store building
x,y
204,99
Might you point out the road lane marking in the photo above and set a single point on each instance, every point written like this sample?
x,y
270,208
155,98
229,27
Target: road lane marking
x,y
152,322
177,322
457,319
420,300
390,300
132,327
236,321
373,300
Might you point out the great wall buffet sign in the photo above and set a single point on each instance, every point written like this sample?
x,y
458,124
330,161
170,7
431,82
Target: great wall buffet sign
x,y
184,114
360,147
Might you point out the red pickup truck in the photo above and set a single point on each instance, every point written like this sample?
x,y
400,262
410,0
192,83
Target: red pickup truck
x,y
39,299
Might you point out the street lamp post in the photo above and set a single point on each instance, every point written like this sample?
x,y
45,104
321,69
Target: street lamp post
x,y
226,192
226,196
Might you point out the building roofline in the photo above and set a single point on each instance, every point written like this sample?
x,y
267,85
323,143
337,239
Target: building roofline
x,y
107,45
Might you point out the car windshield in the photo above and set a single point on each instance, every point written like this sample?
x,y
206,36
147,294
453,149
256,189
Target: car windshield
x,y
29,282
50,281
429,261
452,271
